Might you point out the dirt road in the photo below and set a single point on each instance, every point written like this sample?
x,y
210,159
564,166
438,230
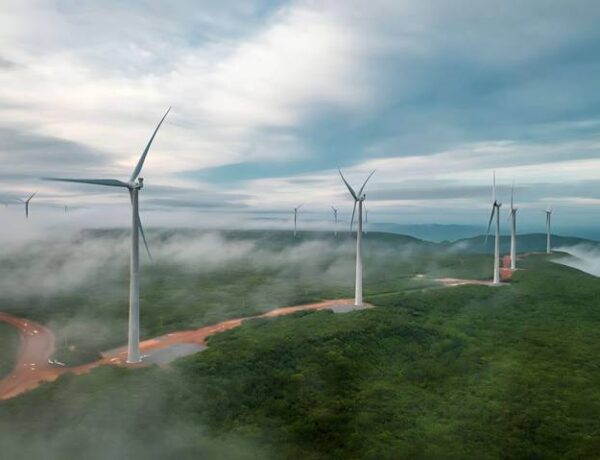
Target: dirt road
x,y
37,346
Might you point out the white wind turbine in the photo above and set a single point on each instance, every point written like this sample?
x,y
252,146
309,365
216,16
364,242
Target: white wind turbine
x,y
335,220
26,203
134,185
495,211
296,219
513,230
548,229
359,198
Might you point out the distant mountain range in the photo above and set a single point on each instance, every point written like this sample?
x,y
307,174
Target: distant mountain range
x,y
459,233
426,238
430,232
531,242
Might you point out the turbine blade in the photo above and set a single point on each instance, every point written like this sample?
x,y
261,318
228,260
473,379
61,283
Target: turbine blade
x,y
512,196
31,196
108,182
138,167
487,234
350,189
139,222
300,206
494,188
353,212
365,183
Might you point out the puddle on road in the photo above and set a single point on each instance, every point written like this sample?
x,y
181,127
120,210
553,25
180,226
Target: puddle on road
x,y
345,308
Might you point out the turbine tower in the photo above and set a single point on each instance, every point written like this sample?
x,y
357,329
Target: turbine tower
x,y
334,221
495,211
26,203
513,230
296,219
134,185
359,198
548,229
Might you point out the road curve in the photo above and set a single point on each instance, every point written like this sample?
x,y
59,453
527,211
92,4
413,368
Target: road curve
x,y
37,346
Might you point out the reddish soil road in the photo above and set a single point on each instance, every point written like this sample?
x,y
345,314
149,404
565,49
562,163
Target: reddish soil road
x,y
37,346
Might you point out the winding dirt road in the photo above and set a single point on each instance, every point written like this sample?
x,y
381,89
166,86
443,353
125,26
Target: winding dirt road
x,y
38,345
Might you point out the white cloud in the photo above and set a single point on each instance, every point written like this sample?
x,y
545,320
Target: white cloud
x,y
467,165
244,84
227,95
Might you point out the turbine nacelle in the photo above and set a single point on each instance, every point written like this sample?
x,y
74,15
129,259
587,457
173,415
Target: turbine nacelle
x,y
139,184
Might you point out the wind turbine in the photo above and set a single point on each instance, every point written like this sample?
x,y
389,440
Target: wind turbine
x,y
26,203
359,198
548,229
296,219
334,220
495,211
513,230
134,185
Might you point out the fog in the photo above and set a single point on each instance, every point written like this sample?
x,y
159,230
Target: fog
x,y
76,282
132,417
584,257
57,263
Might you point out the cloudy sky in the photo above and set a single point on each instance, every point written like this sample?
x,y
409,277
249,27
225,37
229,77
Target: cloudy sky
x,y
270,97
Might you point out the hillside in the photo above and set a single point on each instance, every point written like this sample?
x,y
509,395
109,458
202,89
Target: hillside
x,y
463,373
531,242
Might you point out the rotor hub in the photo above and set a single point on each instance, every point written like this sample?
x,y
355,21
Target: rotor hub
x,y
137,185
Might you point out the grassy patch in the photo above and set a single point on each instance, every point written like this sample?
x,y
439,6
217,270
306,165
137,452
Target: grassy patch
x,y
9,345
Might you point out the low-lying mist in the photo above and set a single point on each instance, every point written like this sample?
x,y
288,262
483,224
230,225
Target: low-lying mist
x,y
583,257
77,283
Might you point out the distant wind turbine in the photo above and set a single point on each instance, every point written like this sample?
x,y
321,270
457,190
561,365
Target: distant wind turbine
x,y
359,198
495,211
335,211
134,185
296,219
26,203
548,229
513,230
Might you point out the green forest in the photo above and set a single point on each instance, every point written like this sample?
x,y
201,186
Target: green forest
x,y
472,372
